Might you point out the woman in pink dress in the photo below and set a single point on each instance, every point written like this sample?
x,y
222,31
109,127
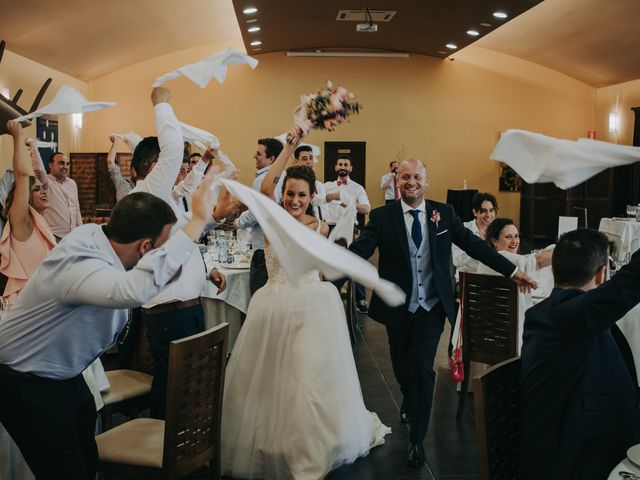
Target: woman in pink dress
x,y
26,238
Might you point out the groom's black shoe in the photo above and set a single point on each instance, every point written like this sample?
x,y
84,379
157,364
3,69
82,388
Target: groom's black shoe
x,y
415,458
404,416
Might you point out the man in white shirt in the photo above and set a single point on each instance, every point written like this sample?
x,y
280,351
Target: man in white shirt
x,y
267,151
70,311
389,184
341,189
175,312
63,214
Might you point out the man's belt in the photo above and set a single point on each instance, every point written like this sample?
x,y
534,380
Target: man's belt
x,y
171,307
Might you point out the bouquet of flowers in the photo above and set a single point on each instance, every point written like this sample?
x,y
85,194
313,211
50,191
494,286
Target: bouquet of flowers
x,y
325,109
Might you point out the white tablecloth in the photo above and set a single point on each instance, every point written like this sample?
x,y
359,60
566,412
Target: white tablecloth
x,y
630,326
625,235
231,305
624,466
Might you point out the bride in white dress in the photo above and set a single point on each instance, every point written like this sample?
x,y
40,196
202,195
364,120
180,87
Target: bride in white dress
x,y
293,406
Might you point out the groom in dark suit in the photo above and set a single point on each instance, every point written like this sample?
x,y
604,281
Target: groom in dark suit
x,y
414,238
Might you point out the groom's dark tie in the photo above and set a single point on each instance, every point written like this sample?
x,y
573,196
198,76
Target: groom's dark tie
x,y
416,228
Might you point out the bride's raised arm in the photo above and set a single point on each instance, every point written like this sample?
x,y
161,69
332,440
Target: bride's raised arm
x,y
272,177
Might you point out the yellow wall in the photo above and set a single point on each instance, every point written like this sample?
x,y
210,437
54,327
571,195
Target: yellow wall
x,y
19,72
617,99
447,113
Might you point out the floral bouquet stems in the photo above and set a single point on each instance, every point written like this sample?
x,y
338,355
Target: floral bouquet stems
x,y
325,109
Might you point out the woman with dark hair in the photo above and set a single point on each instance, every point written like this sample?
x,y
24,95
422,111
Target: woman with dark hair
x,y
293,406
26,238
502,234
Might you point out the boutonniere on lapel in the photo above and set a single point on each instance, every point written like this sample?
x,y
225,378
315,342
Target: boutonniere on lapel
x,y
435,217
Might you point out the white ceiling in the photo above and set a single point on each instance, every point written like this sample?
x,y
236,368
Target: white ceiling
x,y
595,41
90,38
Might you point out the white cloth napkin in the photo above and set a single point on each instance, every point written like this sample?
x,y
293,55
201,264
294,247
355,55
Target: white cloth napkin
x,y
345,217
203,71
132,139
300,249
282,138
67,100
198,137
540,159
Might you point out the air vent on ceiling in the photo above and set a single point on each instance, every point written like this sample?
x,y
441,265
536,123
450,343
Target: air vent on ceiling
x,y
361,15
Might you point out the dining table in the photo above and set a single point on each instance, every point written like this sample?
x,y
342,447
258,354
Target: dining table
x,y
625,235
230,305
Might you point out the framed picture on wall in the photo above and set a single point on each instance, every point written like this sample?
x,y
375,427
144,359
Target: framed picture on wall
x,y
509,180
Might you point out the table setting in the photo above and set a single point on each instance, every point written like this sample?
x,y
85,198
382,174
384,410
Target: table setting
x,y
231,254
629,467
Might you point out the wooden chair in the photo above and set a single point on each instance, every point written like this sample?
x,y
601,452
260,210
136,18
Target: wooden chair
x,y
190,437
497,400
351,310
489,323
9,108
129,387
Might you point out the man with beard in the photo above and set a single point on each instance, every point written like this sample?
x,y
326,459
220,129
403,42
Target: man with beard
x,y
389,184
344,189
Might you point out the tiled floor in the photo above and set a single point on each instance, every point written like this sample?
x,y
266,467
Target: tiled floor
x,y
450,446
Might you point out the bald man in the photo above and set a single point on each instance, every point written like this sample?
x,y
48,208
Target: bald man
x,y
414,238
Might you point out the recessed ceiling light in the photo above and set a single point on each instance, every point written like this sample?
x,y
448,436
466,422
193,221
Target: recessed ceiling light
x,y
249,10
442,52
451,46
253,29
252,20
257,49
255,43
473,33
499,14
485,24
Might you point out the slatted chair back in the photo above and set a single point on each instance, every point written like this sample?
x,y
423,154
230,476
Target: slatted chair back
x,y
489,324
497,415
490,318
141,358
194,403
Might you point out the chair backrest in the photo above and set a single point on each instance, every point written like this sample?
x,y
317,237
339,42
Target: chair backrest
x,y
490,318
497,414
194,402
141,358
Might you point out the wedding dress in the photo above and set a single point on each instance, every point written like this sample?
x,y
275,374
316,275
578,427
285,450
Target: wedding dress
x,y
293,406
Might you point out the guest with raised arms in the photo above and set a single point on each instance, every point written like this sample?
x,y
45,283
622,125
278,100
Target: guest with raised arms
x,y
70,311
580,403
292,371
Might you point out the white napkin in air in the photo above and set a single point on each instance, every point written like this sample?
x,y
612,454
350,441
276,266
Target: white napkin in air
x,y
203,71
67,100
198,137
132,139
300,249
541,159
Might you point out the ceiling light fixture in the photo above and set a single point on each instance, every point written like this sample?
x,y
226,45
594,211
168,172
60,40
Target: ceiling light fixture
x,y
253,29
255,43
499,14
485,24
252,20
451,46
473,33
249,10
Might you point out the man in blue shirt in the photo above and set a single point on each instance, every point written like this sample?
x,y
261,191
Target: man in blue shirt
x,y
70,311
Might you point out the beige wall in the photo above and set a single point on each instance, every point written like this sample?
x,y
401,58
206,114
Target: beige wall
x,y
447,113
19,72
617,99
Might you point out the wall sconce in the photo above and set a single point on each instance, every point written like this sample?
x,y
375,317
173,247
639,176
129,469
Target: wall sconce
x,y
613,123
76,120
